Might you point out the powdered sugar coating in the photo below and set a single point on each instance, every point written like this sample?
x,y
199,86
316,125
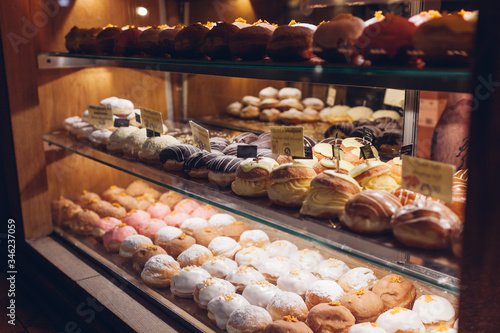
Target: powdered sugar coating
x,y
296,281
243,276
219,266
211,288
224,247
287,303
259,293
193,255
433,309
220,219
330,269
184,281
160,268
132,243
357,278
400,320
251,256
323,291
254,238
366,328
306,260
152,147
249,318
274,268
281,248
221,307
100,137
166,234
176,219
193,223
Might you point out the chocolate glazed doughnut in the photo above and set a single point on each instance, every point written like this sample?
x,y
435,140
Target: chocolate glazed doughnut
x,y
222,170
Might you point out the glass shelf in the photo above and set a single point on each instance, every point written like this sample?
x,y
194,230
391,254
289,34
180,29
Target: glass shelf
x,y
438,268
433,79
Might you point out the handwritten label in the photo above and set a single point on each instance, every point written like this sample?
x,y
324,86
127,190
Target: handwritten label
x,y
427,177
395,97
121,122
366,152
152,120
332,93
246,151
287,140
407,150
200,136
100,116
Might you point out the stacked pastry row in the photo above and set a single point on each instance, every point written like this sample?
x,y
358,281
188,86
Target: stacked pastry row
x,y
433,36
248,283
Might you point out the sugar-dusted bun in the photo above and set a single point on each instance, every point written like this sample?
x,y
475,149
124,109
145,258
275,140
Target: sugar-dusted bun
x,y
281,248
328,194
434,311
251,256
250,43
291,116
195,255
359,112
219,267
296,281
288,324
184,282
257,238
193,223
269,115
63,211
152,147
143,254
189,41
287,304
173,240
310,115
260,293
366,328
131,244
223,246
306,259
222,306
323,291
269,103
86,198
337,114
249,318
216,41
133,142
159,270
117,139
425,224
364,304
274,268
209,289
395,291
330,269
370,211
250,112
234,109
290,183
243,276
290,92
291,43
357,278
83,222
400,320
268,92
252,177
330,317
313,103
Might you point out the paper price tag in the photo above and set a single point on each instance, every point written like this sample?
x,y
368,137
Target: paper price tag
x,y
100,116
246,151
200,136
332,93
395,97
427,177
287,140
308,153
152,120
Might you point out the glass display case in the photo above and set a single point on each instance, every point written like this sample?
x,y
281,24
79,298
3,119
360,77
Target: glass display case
x,y
183,89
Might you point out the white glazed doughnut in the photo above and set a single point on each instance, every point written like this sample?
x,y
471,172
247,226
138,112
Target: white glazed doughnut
x,y
221,307
243,276
434,311
281,248
184,281
220,219
331,269
254,238
400,320
306,259
260,292
209,289
296,281
219,266
366,328
193,223
357,278
274,268
251,256
224,247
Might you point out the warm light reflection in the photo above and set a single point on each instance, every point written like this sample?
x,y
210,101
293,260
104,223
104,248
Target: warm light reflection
x,y
141,11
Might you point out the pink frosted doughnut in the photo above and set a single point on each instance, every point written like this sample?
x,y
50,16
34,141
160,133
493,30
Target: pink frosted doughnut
x,y
175,219
113,238
135,217
205,212
186,206
158,210
104,225
151,227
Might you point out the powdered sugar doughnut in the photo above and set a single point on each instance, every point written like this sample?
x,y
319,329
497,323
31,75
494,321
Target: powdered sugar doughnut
x,y
173,240
103,225
256,238
357,278
193,223
296,281
205,212
211,288
175,219
274,268
323,291
159,270
142,255
434,311
219,266
243,276
251,256
306,260
366,328
287,304
220,219
331,269
135,217
114,237
400,320
158,210
281,248
185,281
133,243
260,292
221,307
151,227
194,255
186,206
224,247
249,318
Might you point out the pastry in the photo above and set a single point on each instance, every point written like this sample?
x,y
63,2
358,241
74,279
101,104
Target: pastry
x,y
170,198
287,304
434,311
398,319
313,103
323,291
234,230
86,197
269,115
209,289
364,304
100,138
186,206
151,227
243,276
336,114
288,324
205,235
328,194
406,196
371,133
83,222
291,116
269,103
296,281
310,115
330,269
359,112
374,175
127,42
331,164
390,142
112,191
149,41
158,210
152,147
133,142
252,177
251,256
193,223
306,259
290,92
250,112
290,183
289,104
357,278
172,158
220,219
396,165
126,201
189,41
281,248
222,170
257,238
184,282
159,271
121,107
234,109
63,210
232,149
196,164
268,92
104,209
173,240
104,225
330,317
249,101
395,291
275,268
250,43
166,39
222,306
134,218
259,293
219,266
249,318
219,143
142,255
194,255
106,39
292,42
216,41
366,328
223,246
131,244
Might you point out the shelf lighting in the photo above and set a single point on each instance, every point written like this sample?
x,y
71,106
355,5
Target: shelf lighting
x,y
141,11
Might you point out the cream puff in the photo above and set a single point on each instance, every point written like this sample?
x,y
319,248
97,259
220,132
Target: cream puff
x,y
290,183
159,271
252,177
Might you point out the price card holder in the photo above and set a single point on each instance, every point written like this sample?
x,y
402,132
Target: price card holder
x,y
407,150
366,152
201,136
337,152
122,123
332,93
246,151
138,118
395,97
428,177
287,140
153,121
100,116
308,153
367,134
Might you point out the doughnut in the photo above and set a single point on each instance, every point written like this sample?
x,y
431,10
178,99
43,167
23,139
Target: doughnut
x,y
357,278
306,259
106,39
290,92
269,103
127,42
126,201
152,147
85,198
173,240
396,165
205,235
339,130
220,219
257,238
219,143
158,210
219,267
288,324
137,187
370,211
83,222
268,92
328,194
105,209
193,223
166,39
111,192
331,164
170,198
292,42
209,289
337,114
366,328
249,318
175,219
142,255
287,304
313,103
424,224
360,132
330,269
223,246
424,16
253,101
222,306
434,311
334,40
400,320
232,109
259,293
159,270
296,281
274,268
234,230
117,139
395,291
189,41
222,170
216,41
243,276
250,43
172,158
330,317
148,41
104,225
133,142
252,177
131,244
290,183
186,206
100,138
205,212
184,282
63,211
364,305
150,228
442,328
390,142
249,112
406,196
281,248
374,175
232,149
68,122
291,116
310,115
251,256
195,255
323,291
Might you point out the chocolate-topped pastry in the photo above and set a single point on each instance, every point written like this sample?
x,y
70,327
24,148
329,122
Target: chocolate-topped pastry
x,y
343,129
219,143
265,136
362,122
292,42
250,43
222,170
309,141
72,39
149,42
166,39
386,123
390,142
173,157
362,130
126,43
332,141
88,42
106,39
232,149
216,42
246,137
189,40
262,144
266,153
196,164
